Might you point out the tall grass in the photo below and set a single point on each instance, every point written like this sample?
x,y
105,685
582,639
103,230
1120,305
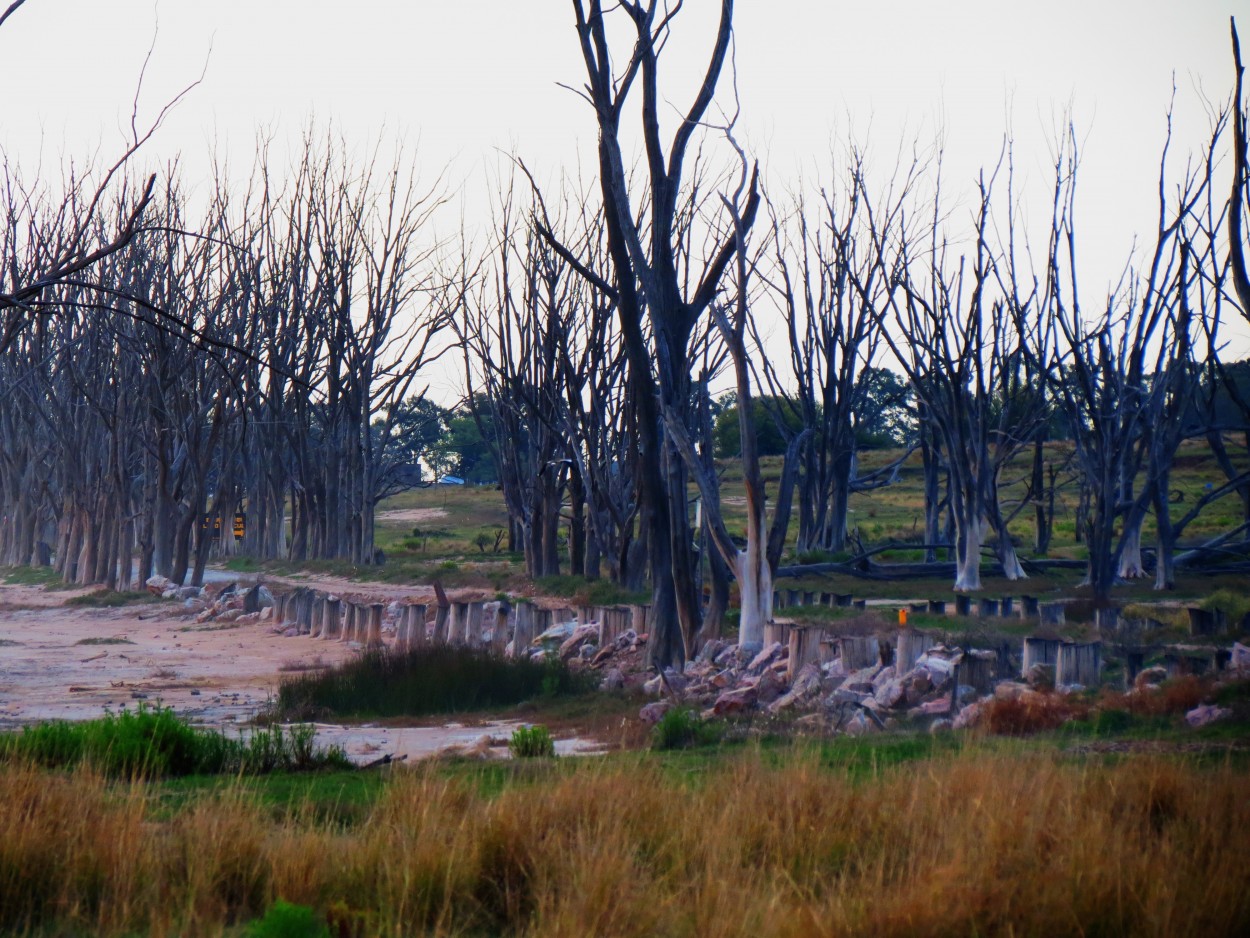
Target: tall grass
x,y
969,844
155,743
424,680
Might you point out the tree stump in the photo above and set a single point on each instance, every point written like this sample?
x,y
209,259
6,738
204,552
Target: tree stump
x,y
804,641
499,632
330,625
373,635
1006,606
976,670
937,607
911,644
776,631
1052,614
963,605
474,625
843,600
1039,651
858,652
347,633
523,632
1028,606
987,607
1079,663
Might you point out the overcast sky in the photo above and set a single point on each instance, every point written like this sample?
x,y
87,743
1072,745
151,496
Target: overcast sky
x,y
463,79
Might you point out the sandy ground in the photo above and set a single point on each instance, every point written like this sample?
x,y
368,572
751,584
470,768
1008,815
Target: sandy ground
x,y
72,663
411,515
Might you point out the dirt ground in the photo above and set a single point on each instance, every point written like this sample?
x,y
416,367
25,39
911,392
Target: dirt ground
x,y
76,663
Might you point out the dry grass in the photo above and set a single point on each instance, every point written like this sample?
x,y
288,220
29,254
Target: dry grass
x,y
972,844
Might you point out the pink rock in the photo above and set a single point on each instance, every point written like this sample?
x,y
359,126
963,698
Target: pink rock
x,y
652,712
1203,714
941,705
735,701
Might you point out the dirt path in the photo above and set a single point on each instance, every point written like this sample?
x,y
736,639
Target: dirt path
x,y
74,663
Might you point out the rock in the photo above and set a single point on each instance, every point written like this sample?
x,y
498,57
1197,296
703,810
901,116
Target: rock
x,y
601,656
1203,714
728,657
613,680
941,705
767,656
157,585
266,613
860,725
739,700
292,632
187,592
768,687
1011,690
805,687
940,725
891,694
864,676
938,664
884,676
726,678
1040,675
580,636
1150,677
710,650
588,651
652,712
916,683
1240,659
557,633
968,717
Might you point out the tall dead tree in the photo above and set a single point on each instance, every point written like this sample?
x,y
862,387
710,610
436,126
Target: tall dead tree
x,y
653,281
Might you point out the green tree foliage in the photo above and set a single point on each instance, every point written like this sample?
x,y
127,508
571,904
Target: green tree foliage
x,y
766,412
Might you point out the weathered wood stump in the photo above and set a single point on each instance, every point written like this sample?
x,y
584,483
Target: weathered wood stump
x,y
910,645
987,607
373,635
1006,606
474,625
1039,651
976,670
804,641
937,607
523,631
859,604
1052,614
348,612
1028,606
330,624
1079,663
809,598
963,605
843,600
858,652
499,631
1204,621
442,624
776,631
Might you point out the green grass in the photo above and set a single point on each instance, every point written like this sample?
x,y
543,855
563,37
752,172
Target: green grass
x,y
104,641
424,680
108,599
154,742
532,742
30,576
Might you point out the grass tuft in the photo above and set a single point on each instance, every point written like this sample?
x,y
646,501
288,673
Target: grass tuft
x,y
424,680
152,742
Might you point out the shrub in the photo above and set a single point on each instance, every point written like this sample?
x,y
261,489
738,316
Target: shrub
x,y
152,742
1235,606
531,742
683,728
1031,713
427,679
287,920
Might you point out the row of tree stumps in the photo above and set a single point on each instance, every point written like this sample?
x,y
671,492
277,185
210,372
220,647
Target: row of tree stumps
x,y
470,623
1025,607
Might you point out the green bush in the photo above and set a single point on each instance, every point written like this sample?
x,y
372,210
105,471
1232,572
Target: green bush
x,y
531,742
152,742
1234,605
682,728
427,679
287,920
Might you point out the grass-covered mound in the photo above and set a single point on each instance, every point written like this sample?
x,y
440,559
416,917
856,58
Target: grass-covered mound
x,y
424,680
155,743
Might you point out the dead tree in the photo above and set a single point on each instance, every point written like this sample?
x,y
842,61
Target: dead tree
x,y
654,281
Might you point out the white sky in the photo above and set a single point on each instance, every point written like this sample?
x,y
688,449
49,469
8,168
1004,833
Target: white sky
x,y
463,79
